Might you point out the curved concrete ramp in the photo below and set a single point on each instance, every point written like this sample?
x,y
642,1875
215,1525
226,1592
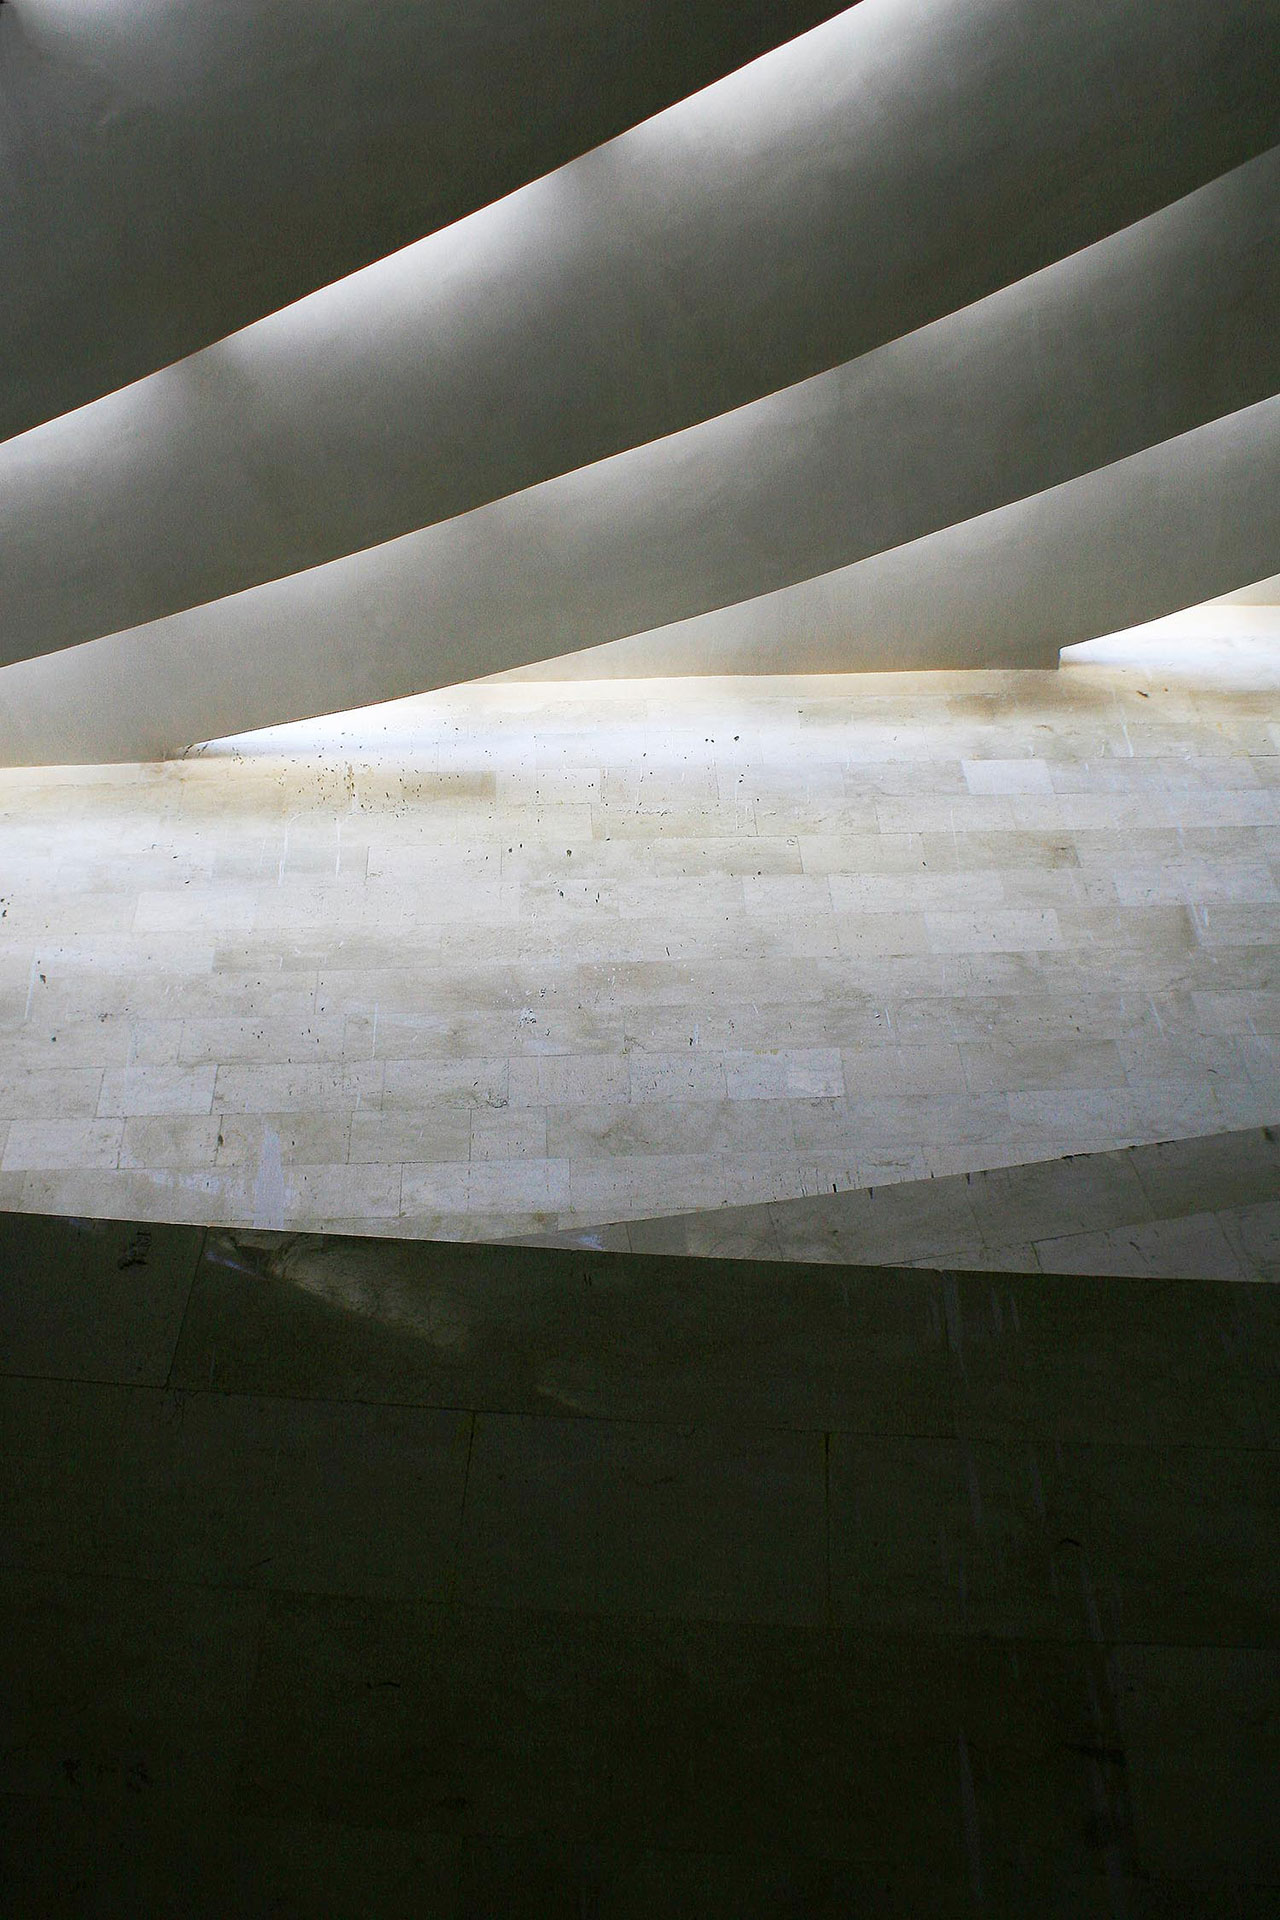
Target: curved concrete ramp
x,y
900,164
174,170
1112,550
1010,588
604,410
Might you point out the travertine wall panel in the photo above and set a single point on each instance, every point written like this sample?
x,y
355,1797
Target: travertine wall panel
x,y
1182,1209
514,957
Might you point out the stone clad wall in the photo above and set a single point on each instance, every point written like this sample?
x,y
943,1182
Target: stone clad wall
x,y
516,959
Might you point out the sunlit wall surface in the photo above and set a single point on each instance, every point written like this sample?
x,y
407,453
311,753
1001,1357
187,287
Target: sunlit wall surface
x,y
509,959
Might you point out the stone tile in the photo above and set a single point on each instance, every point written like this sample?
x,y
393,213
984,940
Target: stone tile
x,y
1066,1061
534,1186
1013,852
1180,1107
1205,1175
607,1190
942,814
678,1736
947,1537
1199,1731
509,1135
977,1258
1197,882
1194,1247
299,1089
815,886
1171,1545
195,909
228,1489
1241,1010
557,1882
881,936
203,1197
997,930
734,1127
420,1134
29,1094
1007,776
607,1517
424,1084
311,1139
74,1039
613,1239
895,1070
569,1080
93,1300
280,1040
937,888
880,1225
61,1143
803,1072
433,1189
1092,1119
677,1076
1231,925
732,1233
162,1089
517,1330
1162,1898
1051,1198
1253,1234
1110,1360
751,1180
373,1191
171,1140
60,1859
901,1121
124,1696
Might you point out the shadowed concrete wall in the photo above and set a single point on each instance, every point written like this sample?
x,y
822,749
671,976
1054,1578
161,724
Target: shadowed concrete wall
x,y
905,159
170,170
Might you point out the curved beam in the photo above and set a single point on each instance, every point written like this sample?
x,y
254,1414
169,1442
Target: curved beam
x,y
173,170
1165,529
1161,530
1069,371
1132,341
888,168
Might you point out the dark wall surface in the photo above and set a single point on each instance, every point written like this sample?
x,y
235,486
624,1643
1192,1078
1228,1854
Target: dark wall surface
x,y
367,1577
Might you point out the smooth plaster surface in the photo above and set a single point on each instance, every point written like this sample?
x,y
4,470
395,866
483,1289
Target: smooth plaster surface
x,y
173,170
271,453
1091,558
533,577
515,958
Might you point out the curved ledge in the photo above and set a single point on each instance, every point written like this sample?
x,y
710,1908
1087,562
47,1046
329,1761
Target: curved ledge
x,y
898,163
1163,529
175,170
